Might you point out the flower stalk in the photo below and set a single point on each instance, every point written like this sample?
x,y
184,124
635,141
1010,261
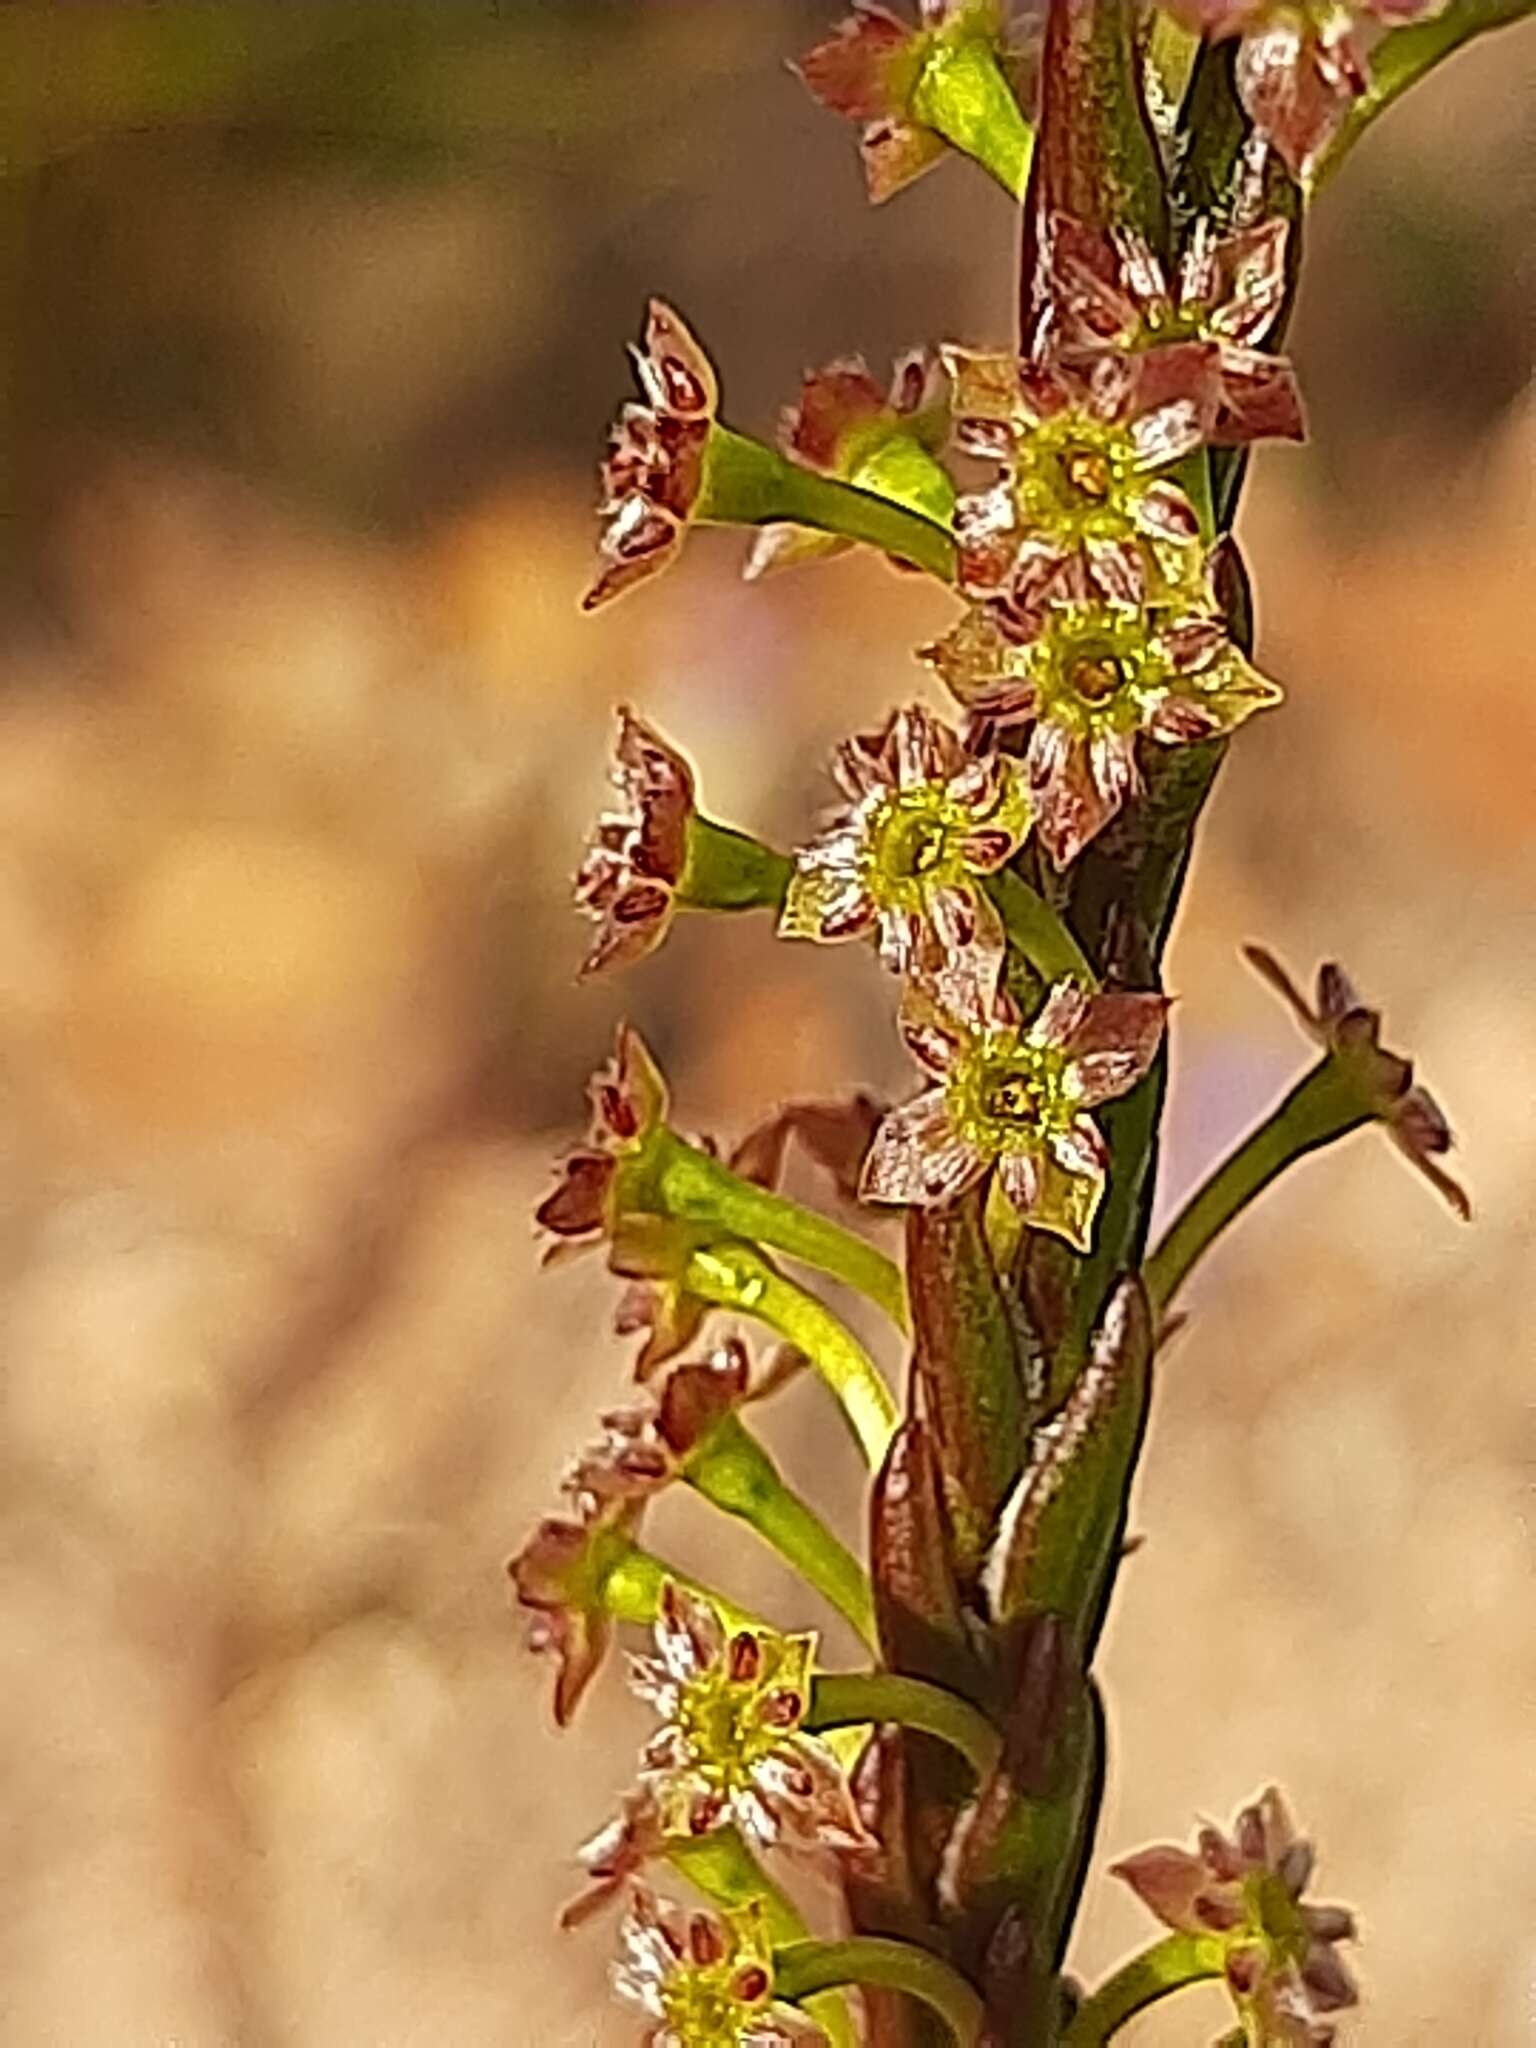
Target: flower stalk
x,y
814,1966
847,1699
733,1472
1321,1108
1170,1965
734,1276
1014,863
696,1188
747,483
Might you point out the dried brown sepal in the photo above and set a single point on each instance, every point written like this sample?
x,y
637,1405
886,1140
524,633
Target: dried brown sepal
x,y
1349,1031
654,469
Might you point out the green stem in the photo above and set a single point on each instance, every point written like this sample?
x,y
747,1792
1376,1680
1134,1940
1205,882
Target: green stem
x,y
1402,58
632,1591
1038,932
732,1470
847,1699
1171,1965
699,1189
730,870
1324,1105
811,1966
747,483
737,1277
723,1868
963,95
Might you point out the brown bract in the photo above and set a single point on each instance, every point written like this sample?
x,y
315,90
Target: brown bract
x,y
628,880
655,463
1302,64
1282,1965
1342,1024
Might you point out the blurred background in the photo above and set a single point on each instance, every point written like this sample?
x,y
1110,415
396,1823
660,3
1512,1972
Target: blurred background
x,y
313,320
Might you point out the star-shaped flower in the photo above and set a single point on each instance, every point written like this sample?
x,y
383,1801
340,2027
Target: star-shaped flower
x,y
1198,335
927,817
628,881
1282,1966
868,71
1302,64
1090,679
1350,1032
1015,1096
706,1981
888,442
654,469
1082,507
731,1748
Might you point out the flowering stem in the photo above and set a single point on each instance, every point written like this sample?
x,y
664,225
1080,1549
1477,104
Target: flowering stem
x,y
1323,1105
963,95
698,1189
1170,1965
1038,932
737,1277
810,1966
730,870
846,1699
1403,57
747,483
732,1470
723,1868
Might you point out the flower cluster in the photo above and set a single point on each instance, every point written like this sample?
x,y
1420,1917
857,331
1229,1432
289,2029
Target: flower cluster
x,y
1244,1890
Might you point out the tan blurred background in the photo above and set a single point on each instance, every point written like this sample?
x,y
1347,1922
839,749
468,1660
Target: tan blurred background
x,y
313,320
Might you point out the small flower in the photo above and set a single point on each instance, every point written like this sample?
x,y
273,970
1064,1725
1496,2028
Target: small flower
x,y
1350,1033
628,881
646,1446
618,1853
732,1749
654,469
1197,337
629,1105
870,68
605,1197
926,818
706,1981
1015,1096
560,1575
1090,678
1081,509
1302,63
888,442
1282,1966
